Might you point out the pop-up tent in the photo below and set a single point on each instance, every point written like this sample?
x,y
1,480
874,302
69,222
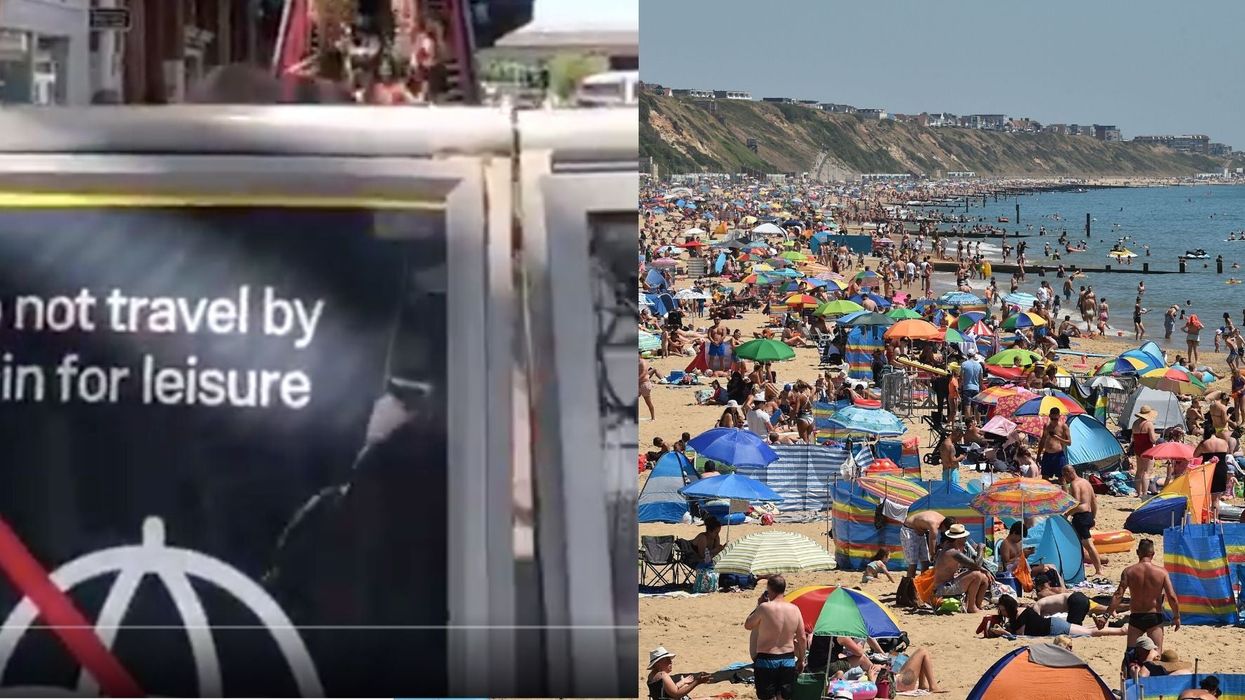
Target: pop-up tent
x,y
951,500
1165,402
1092,443
1168,508
1055,543
1040,672
660,500
856,539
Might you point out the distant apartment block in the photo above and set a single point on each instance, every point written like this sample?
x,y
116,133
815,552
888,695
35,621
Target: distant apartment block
x,y
1105,132
1061,129
1189,143
1219,150
961,174
692,92
779,100
837,108
872,113
807,103
992,122
732,95
939,119
1024,125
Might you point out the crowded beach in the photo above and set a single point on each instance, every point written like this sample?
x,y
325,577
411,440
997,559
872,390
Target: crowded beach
x,y
864,476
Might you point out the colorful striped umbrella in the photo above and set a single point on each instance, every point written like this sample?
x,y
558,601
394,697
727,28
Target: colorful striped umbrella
x,y
1019,498
915,328
1041,405
1175,380
838,307
810,600
960,299
992,394
895,488
849,613
772,552
1120,365
882,465
1021,299
802,300
765,350
1024,319
794,256
900,313
968,318
865,275
1008,357
977,328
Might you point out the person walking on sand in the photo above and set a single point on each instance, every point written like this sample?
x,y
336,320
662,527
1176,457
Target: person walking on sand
x,y
780,641
1143,438
1055,437
1193,336
1083,514
1149,585
646,388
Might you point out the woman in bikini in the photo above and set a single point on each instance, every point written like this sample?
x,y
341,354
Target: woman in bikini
x,y
802,409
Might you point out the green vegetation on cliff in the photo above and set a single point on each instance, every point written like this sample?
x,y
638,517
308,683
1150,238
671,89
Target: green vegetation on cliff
x,y
684,136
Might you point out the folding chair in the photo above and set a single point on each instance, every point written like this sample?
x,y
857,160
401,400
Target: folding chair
x,y
659,561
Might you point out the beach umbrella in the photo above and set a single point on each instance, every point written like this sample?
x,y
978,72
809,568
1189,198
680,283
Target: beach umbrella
x,y
692,244
838,307
1021,299
849,613
840,285
950,299
664,262
765,350
867,318
759,279
732,446
1121,365
1000,426
951,335
882,465
1106,383
778,262
729,244
992,394
879,301
978,329
649,342
669,250
814,283
1019,498
914,328
895,488
968,319
690,294
865,275
1041,405
762,267
1024,319
1007,358
801,300
794,256
831,276
750,220
695,231
788,273
736,486
768,229
772,552
900,313
1170,450
1174,379
872,421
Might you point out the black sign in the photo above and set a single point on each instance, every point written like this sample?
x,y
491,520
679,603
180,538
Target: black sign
x,y
117,18
262,388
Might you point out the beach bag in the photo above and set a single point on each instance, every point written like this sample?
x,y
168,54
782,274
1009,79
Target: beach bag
x,y
1023,575
745,582
706,581
988,621
905,595
924,586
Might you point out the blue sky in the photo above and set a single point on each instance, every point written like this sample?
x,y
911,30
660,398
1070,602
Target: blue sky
x,y
1146,66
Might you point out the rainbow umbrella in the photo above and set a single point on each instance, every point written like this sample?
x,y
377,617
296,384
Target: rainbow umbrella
x,y
1008,357
1120,365
765,350
1025,319
1042,405
864,275
778,262
968,318
849,613
838,307
810,600
895,488
992,394
1175,380
900,313
1020,498
801,300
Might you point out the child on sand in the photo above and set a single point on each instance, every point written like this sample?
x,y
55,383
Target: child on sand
x,y
877,567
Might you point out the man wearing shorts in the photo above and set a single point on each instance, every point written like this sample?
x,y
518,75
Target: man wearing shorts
x,y
778,630
1149,584
956,573
919,537
1055,437
1083,514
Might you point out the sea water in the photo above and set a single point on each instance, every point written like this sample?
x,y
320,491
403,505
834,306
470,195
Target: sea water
x,y
1171,220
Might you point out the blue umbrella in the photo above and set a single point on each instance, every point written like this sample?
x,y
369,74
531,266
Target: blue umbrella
x,y
731,486
847,318
922,303
873,421
738,448
880,301
960,299
1021,299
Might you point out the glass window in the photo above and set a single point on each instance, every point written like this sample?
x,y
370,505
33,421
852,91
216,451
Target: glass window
x,y
15,67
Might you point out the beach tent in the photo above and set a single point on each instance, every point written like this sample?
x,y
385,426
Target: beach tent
x,y
1040,672
1056,544
950,499
660,500
856,539
1231,685
1169,506
1165,402
803,474
1205,567
1149,353
1092,443
861,342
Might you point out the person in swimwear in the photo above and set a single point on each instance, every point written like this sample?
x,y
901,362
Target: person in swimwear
x,y
1150,585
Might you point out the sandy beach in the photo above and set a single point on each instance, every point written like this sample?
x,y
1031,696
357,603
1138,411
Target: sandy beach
x,y
707,631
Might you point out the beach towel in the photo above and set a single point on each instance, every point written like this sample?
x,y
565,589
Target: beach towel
x,y
1023,575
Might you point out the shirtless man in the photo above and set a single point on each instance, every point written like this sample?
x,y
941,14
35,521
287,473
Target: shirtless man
x,y
709,543
1055,437
919,537
1083,514
720,350
956,573
1218,411
780,641
950,460
1149,584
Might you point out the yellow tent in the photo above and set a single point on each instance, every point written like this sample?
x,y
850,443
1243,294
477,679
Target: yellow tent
x,y
1194,485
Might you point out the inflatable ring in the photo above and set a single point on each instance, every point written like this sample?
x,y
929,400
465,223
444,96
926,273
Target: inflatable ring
x,y
1114,541
922,366
860,690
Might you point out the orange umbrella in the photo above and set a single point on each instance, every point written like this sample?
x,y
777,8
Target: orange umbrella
x,y
915,328
802,300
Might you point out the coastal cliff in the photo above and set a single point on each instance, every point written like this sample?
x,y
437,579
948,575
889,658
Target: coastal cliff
x,y
684,135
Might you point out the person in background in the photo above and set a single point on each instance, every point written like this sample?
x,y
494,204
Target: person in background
x,y
662,685
780,641
1083,514
709,543
1143,438
877,568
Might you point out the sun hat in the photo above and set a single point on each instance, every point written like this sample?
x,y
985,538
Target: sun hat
x,y
842,694
957,531
1147,411
732,404
657,655
1170,660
